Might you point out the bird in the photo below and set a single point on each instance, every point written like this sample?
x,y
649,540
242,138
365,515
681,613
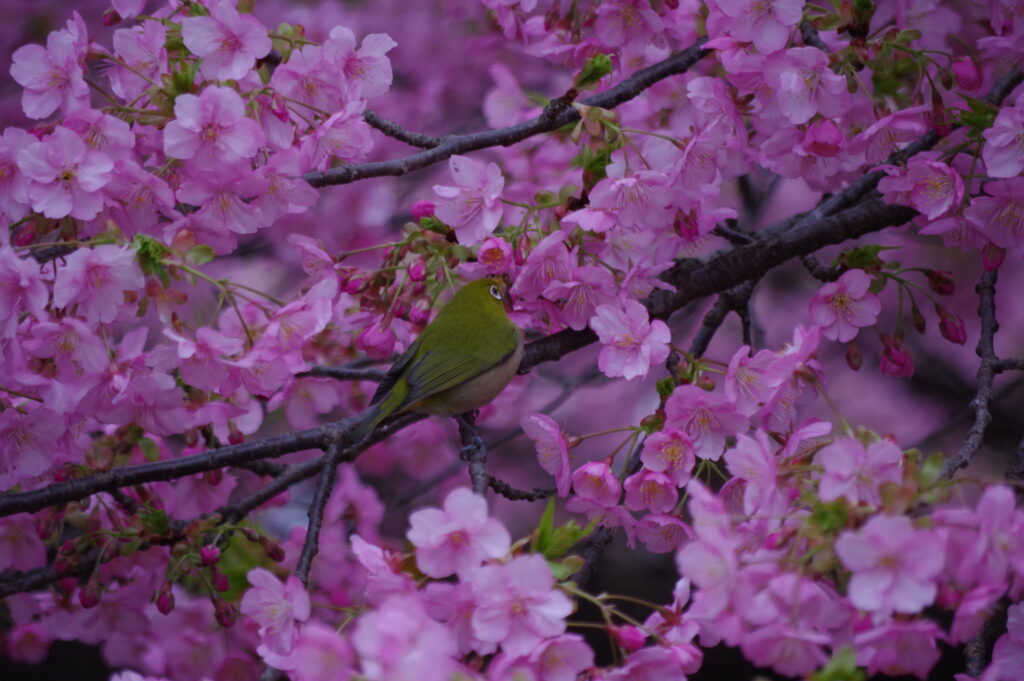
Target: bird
x,y
460,361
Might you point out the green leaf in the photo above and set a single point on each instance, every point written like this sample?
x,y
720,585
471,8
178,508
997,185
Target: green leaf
x,y
842,667
566,568
150,451
542,535
931,470
150,253
565,537
199,255
829,517
154,520
862,257
596,68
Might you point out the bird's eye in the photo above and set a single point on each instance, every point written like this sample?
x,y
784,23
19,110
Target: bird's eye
x,y
495,292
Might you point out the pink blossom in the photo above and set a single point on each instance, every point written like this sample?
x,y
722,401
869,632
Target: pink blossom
x,y
286,193
137,200
750,381
596,482
102,132
562,658
855,472
552,448
655,662
304,399
14,185
66,175
72,344
472,208
662,532
142,48
495,254
457,539
631,343
224,200
229,43
669,451
312,80
1003,152
276,607
753,461
899,647
1008,654
786,649
400,642
201,364
28,643
549,261
20,545
344,136
706,417
926,185
96,279
1001,217
638,201
211,129
52,76
588,287
651,491
985,545
889,133
626,22
842,307
321,654
804,85
894,565
368,67
506,104
22,289
517,605
27,440
384,576
766,24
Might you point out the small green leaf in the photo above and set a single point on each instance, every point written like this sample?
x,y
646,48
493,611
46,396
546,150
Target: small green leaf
x,y
565,537
199,255
596,68
566,568
831,516
931,470
842,667
154,520
542,535
150,451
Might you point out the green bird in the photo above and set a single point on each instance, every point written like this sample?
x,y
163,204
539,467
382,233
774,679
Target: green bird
x,y
460,362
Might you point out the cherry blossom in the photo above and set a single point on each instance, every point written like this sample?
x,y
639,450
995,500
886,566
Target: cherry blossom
x,y
632,343
276,607
229,43
552,448
844,306
471,208
458,538
66,175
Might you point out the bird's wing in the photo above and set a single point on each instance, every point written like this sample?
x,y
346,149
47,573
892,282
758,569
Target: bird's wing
x,y
388,382
438,370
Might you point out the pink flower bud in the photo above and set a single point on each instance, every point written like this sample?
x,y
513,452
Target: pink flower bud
x,y
422,209
110,17
219,580
896,359
941,282
209,555
89,595
854,358
225,613
951,326
967,74
992,257
417,271
165,599
628,637
274,551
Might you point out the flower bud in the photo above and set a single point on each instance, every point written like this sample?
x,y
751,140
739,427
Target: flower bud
x,y
854,358
628,637
273,550
89,595
992,257
165,598
951,326
967,74
225,613
941,282
417,271
422,209
209,555
219,580
896,358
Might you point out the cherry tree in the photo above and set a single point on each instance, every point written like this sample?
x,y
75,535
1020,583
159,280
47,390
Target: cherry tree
x,y
752,244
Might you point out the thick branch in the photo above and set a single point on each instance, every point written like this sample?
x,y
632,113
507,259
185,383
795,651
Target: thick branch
x,y
503,137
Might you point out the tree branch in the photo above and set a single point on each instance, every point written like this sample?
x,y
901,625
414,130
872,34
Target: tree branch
x,y
503,137
324,486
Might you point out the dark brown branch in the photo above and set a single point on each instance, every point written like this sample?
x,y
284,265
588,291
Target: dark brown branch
x,y
392,129
473,452
322,494
986,289
733,300
509,492
1014,364
819,271
548,121
811,38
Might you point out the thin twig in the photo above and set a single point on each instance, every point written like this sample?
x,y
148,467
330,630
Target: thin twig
x,y
392,129
344,373
473,452
986,289
322,494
